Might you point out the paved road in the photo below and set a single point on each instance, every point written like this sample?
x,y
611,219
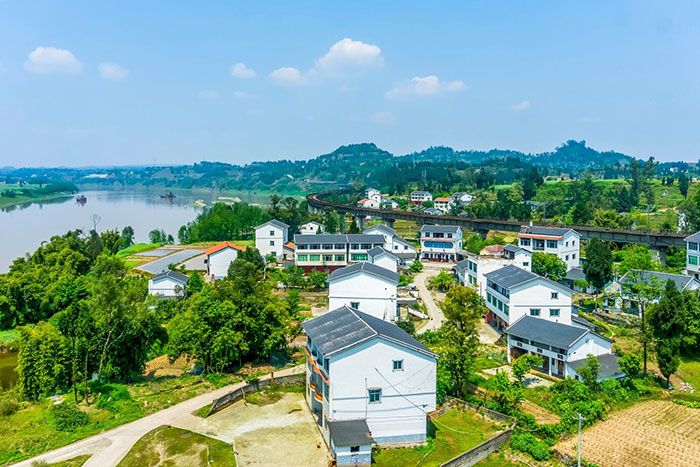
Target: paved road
x,y
110,447
434,311
160,265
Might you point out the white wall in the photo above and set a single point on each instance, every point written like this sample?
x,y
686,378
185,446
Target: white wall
x,y
266,234
311,228
535,294
219,261
566,249
486,265
165,287
386,262
354,371
376,296
590,344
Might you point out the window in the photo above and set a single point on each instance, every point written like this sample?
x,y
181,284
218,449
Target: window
x,y
355,305
354,449
302,257
358,257
449,235
272,233
573,256
555,295
272,243
567,257
534,311
526,263
340,257
427,234
375,396
398,365
525,241
554,312
325,391
551,243
327,363
693,260
314,257
539,245
327,257
692,246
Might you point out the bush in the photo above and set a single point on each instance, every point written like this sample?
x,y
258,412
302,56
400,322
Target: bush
x,y
67,417
8,407
526,442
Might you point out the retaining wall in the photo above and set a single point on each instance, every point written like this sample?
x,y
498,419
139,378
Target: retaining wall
x,y
234,396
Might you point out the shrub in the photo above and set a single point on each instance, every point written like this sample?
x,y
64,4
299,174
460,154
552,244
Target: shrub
x,y
526,442
8,407
67,417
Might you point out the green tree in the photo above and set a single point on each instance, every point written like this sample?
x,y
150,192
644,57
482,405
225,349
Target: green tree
x,y
645,289
667,322
111,241
598,265
589,372
635,256
631,364
317,279
523,364
195,284
127,237
463,308
354,228
330,220
443,281
416,266
43,361
683,184
506,394
547,265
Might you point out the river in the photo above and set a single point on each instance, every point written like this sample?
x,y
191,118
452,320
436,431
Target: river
x,y
24,227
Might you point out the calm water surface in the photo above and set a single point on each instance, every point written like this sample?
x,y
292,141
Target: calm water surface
x,y
8,375
24,227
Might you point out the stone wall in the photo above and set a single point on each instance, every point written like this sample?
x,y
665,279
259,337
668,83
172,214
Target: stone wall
x,y
234,396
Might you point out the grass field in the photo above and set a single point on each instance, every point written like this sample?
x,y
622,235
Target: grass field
x,y
74,462
174,447
137,248
652,433
453,433
689,371
21,197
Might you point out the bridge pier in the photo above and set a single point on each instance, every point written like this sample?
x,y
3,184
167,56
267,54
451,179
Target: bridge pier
x,y
483,233
659,253
360,221
389,222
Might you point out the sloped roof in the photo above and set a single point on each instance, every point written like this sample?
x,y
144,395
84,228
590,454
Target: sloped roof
x,y
510,276
274,222
174,275
583,322
547,332
494,248
346,433
306,239
289,245
538,230
382,227
463,264
439,228
443,199
402,241
221,246
695,238
377,250
369,268
513,248
575,274
345,327
680,280
609,366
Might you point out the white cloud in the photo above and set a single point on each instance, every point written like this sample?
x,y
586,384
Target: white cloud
x,y
208,94
349,57
242,95
383,118
240,70
524,105
288,76
422,87
112,71
46,60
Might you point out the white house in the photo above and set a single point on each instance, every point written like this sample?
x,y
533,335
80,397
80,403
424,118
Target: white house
x,y
366,287
219,257
564,348
384,259
563,242
372,193
472,270
692,253
166,284
512,292
363,369
374,199
311,228
440,242
373,203
443,204
464,198
400,247
270,238
627,298
433,212
419,197
333,251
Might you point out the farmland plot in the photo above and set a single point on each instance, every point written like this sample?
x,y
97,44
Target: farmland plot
x,y
654,433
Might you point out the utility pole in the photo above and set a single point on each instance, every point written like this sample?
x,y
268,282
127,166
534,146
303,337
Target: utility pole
x,y
580,419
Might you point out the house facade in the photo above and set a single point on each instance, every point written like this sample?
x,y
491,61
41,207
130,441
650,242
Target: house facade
x,y
512,292
692,255
400,247
270,238
440,242
384,259
333,251
462,197
219,257
311,228
443,204
562,242
168,284
366,287
472,270
420,197
627,301
564,348
360,368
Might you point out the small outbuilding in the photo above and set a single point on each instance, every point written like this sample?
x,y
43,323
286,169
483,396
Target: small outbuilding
x,y
166,284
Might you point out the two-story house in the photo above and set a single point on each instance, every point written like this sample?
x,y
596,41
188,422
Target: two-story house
x,y
443,203
371,374
440,242
462,197
471,271
333,251
270,238
419,197
563,242
367,287
692,254
512,292
312,228
400,247
219,257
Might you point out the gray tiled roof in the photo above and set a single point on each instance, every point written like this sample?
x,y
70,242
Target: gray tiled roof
x,y
377,250
547,332
695,238
172,275
369,268
346,433
609,366
464,264
583,321
512,248
418,192
306,239
510,276
402,241
536,230
274,222
575,274
383,228
342,328
680,280
439,228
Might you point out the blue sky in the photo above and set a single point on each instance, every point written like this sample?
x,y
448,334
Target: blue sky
x,y
103,83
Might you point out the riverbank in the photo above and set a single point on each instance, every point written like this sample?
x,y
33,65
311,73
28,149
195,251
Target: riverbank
x,y
6,202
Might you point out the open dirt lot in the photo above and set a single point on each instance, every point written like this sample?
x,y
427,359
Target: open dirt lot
x,y
654,433
279,433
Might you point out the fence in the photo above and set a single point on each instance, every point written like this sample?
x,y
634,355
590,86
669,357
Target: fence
x,y
234,396
482,451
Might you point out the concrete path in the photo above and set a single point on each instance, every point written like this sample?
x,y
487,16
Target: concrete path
x,y
487,334
196,264
110,447
529,381
161,264
434,310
